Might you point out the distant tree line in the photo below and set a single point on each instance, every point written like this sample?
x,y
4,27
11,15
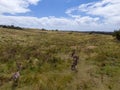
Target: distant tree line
x,y
115,34
43,29
11,27
101,32
93,32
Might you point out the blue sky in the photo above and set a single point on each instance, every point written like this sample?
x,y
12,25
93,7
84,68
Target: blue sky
x,y
77,15
55,8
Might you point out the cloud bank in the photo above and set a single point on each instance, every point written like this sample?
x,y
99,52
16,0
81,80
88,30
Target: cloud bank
x,y
16,6
103,15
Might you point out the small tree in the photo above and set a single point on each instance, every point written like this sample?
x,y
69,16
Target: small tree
x,y
116,34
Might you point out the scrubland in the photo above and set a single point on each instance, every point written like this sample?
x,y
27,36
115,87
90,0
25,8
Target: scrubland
x,y
46,60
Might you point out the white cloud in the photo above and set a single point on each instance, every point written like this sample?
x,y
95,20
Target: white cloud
x,y
104,12
16,6
33,1
80,24
104,8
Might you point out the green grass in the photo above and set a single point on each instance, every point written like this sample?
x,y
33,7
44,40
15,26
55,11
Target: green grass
x,y
46,61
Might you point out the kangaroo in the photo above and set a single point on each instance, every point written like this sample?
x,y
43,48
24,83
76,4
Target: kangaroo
x,y
75,62
15,79
16,76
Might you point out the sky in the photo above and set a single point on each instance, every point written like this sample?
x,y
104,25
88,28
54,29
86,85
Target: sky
x,y
75,15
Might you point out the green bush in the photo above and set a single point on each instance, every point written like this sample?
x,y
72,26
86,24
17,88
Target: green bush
x,y
117,34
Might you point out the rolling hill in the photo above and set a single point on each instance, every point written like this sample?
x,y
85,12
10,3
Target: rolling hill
x,y
45,59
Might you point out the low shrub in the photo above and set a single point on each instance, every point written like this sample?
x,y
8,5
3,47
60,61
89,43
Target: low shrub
x,y
116,34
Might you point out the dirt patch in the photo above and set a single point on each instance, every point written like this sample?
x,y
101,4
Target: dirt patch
x,y
91,47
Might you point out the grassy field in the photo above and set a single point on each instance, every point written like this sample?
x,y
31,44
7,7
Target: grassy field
x,y
46,60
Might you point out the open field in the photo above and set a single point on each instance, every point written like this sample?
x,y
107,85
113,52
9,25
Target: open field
x,y
46,60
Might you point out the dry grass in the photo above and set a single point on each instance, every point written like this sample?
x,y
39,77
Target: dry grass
x,y
45,58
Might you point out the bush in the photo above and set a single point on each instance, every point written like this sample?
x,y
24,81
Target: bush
x,y
43,29
11,27
116,34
